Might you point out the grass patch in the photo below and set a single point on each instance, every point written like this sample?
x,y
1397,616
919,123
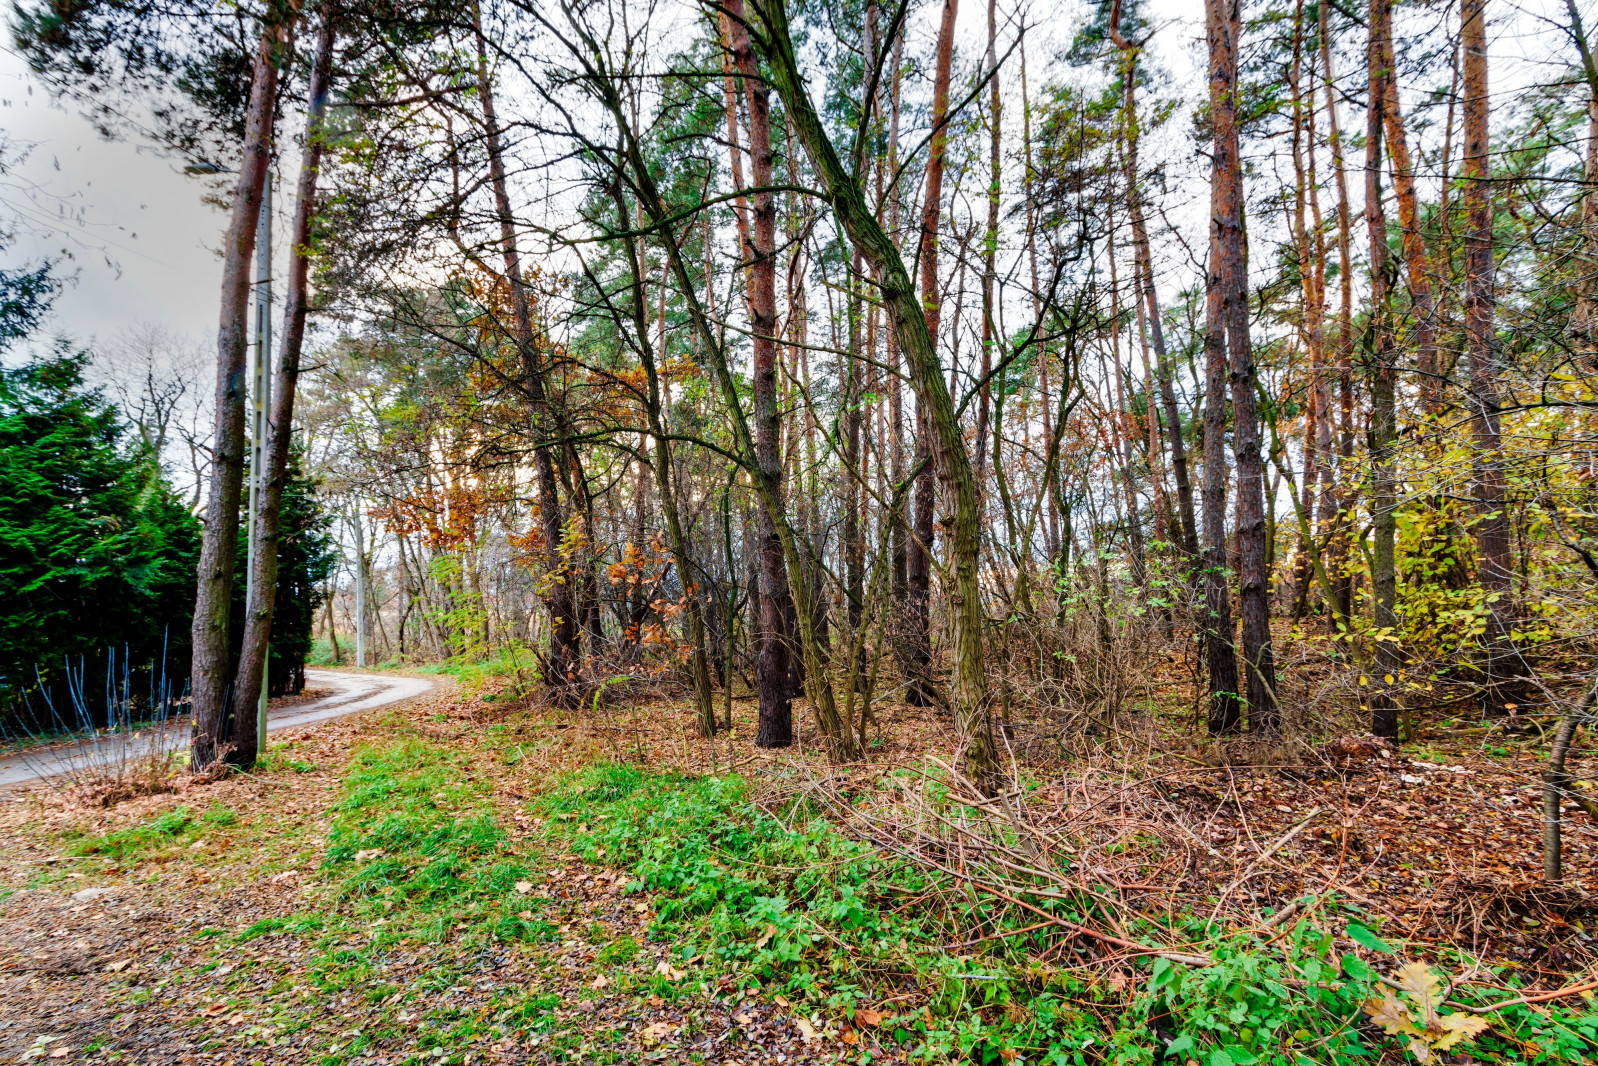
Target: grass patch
x,y
414,836
139,840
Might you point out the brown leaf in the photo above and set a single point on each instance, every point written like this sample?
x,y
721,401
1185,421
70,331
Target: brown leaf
x,y
1387,1012
868,1017
849,1036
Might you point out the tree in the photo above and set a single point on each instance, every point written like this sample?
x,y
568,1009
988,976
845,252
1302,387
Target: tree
x,y
96,550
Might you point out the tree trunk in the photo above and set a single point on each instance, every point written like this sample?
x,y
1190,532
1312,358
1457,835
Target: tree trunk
x,y
1145,288
211,688
1481,349
1379,359
253,660
920,690
773,668
911,320
1422,306
1223,25
1342,583
562,662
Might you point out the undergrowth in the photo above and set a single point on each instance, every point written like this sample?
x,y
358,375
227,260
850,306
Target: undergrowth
x,y
414,836
791,903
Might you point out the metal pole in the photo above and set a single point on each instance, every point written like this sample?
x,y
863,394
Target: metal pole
x,y
263,407
360,590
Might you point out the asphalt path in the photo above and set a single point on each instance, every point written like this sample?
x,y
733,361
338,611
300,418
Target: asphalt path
x,y
351,694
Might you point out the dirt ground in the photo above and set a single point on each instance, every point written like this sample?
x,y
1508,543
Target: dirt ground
x,y
150,960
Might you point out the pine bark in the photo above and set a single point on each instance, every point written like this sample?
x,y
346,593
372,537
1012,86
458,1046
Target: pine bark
x,y
254,655
1379,364
1494,570
772,668
211,685
1230,275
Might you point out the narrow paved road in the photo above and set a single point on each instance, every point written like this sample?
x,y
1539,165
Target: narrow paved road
x,y
351,694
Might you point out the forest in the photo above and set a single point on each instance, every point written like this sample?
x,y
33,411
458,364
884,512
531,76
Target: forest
x,y
1009,533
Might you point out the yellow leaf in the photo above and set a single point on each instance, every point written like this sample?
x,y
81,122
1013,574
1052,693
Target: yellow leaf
x,y
806,1030
1417,979
1457,1028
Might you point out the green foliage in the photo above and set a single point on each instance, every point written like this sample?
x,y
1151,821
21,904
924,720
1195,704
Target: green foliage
x,y
791,902
410,830
123,844
96,551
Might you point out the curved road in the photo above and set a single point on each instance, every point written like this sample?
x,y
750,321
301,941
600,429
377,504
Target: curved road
x,y
352,694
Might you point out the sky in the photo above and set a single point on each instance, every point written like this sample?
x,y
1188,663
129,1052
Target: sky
x,y
137,239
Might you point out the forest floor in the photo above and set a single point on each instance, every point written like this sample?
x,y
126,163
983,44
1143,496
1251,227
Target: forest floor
x,y
461,880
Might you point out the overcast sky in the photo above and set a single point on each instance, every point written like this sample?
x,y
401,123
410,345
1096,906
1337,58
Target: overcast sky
x,y
137,241
134,236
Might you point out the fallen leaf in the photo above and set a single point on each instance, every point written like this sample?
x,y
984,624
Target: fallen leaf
x,y
1387,1012
1456,1029
654,1034
368,854
781,1001
525,916
60,1052
524,887
118,967
600,982
806,1030
771,931
284,876
849,1036
868,1017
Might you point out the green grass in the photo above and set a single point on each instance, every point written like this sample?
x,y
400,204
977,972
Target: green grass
x,y
796,906
414,836
136,841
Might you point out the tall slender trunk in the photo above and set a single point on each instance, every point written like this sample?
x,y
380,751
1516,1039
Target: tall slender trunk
x,y
1422,306
1584,316
899,545
211,686
772,671
911,320
1342,583
562,662
1253,542
677,542
1052,530
1122,441
990,251
253,659
1312,325
1225,711
854,536
1145,288
1379,360
920,688
1481,349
